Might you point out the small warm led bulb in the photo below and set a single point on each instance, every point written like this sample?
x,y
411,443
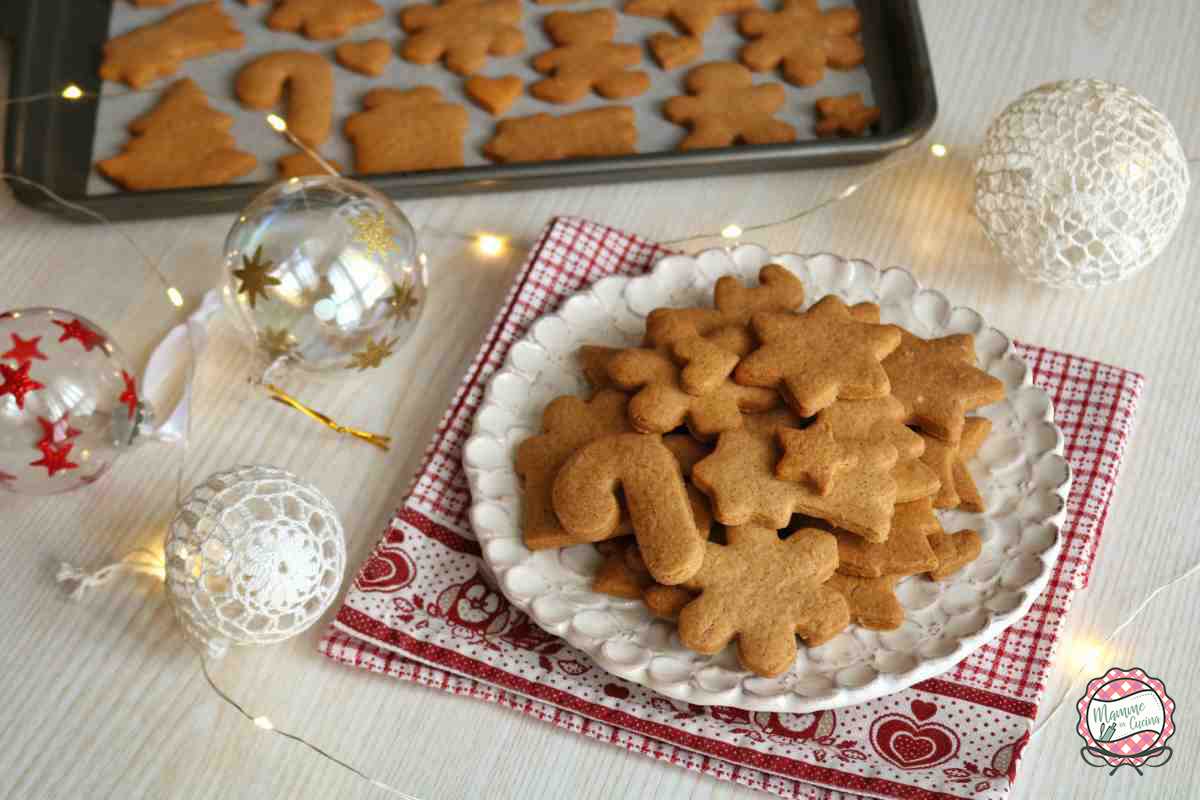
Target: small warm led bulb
x,y
938,150
175,296
276,122
72,92
489,245
264,723
731,231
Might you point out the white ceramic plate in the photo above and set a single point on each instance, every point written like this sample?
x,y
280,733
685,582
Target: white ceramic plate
x,y
1020,470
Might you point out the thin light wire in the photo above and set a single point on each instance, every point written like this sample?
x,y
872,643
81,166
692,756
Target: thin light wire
x,y
301,740
1058,706
875,174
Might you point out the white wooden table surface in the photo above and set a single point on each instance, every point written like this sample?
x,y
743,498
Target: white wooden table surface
x,y
105,699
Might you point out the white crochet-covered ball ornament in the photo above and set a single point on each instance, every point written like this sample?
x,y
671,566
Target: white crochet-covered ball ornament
x,y
254,556
1080,183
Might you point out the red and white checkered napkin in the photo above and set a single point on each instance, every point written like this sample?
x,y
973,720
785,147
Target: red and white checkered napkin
x,y
421,610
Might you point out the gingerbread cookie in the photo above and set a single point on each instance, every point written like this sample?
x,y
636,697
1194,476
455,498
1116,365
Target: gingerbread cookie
x,y
639,465
938,383
145,54
181,142
462,32
606,131
308,78
711,342
819,356
764,591
405,130
568,424
369,57
624,572
694,16
323,19
844,116
739,478
666,601
151,3
662,404
672,52
872,601
593,361
587,59
813,456
299,165
954,551
907,550
724,106
494,95
948,462
803,38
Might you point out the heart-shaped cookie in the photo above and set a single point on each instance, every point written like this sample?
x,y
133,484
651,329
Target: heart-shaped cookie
x,y
494,95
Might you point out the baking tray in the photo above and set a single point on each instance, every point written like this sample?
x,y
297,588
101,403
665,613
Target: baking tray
x,y
58,42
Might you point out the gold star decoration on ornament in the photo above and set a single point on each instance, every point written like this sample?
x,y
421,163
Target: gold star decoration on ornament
x,y
254,277
373,354
402,301
277,343
373,233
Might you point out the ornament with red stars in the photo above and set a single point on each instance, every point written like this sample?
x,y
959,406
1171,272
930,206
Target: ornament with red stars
x,y
69,403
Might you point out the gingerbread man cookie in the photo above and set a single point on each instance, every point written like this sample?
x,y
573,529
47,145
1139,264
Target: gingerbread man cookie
x,y
145,54
724,106
662,404
587,59
710,342
845,115
462,32
819,356
641,468
405,130
323,19
764,591
694,16
954,551
803,38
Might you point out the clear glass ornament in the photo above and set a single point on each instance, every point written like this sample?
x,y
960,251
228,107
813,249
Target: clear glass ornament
x,y
69,401
324,273
254,556
1080,183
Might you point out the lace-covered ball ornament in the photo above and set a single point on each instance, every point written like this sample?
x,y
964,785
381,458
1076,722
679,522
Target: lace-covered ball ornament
x,y
254,556
1080,183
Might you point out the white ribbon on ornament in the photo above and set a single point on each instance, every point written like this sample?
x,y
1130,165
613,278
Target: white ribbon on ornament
x,y
183,344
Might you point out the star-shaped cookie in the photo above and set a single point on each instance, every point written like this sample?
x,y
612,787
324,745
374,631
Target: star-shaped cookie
x,y
739,477
819,356
764,591
938,383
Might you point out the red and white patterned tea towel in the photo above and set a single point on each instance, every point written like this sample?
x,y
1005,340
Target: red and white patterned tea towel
x,y
421,610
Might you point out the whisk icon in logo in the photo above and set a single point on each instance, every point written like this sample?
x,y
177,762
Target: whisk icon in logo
x,y
1125,720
